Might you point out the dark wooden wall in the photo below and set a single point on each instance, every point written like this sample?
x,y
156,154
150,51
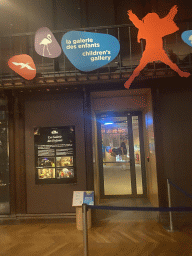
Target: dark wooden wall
x,y
29,111
49,111
17,168
172,108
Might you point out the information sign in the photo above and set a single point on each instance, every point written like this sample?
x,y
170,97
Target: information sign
x,y
55,159
46,44
89,51
83,197
187,37
23,65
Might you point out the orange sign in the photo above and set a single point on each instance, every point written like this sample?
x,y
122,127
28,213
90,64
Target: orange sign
x,y
23,65
153,29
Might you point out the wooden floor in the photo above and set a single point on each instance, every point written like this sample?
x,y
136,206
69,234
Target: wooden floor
x,y
61,238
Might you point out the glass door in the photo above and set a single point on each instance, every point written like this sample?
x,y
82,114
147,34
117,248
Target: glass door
x,y
121,157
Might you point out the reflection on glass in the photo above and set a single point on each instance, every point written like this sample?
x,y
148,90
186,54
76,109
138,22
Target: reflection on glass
x,y
46,162
136,141
65,173
115,151
64,161
46,173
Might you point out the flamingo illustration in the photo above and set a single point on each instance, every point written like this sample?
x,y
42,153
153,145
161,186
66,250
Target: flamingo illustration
x,y
47,40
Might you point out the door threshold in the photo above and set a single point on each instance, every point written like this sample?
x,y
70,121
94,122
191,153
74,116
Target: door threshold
x,y
142,201
114,216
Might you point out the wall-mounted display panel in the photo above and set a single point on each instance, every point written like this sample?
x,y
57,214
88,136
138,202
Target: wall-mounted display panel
x,y
55,158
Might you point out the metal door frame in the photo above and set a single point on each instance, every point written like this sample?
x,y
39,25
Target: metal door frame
x,y
129,115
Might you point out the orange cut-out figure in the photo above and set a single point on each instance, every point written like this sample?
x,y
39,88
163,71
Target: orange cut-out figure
x,y
153,29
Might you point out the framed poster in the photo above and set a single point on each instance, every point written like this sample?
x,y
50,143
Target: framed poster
x,y
55,158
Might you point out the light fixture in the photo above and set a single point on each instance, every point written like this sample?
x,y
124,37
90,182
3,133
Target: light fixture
x,y
108,123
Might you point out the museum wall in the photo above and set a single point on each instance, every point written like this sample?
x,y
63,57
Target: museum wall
x,y
53,111
176,135
149,143
28,16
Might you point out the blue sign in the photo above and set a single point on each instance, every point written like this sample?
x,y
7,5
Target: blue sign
x,y
89,51
88,197
187,37
83,197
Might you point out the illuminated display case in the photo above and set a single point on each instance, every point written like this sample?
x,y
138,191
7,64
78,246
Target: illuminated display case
x,y
55,159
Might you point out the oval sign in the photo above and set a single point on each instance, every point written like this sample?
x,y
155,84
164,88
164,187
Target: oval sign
x,y
89,51
187,37
23,65
46,44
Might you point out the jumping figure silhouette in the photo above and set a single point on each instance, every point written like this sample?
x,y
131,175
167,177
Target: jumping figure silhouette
x,y
153,29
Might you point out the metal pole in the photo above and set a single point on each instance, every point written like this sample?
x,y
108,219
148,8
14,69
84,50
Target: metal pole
x,y
118,31
169,200
85,235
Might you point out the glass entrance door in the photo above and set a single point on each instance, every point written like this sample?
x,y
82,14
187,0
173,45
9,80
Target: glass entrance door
x,y
121,155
